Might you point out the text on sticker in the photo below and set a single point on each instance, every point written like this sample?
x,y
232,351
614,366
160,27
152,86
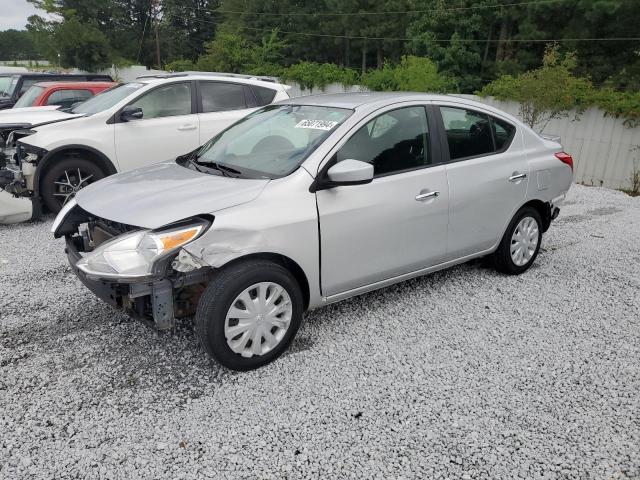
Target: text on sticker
x,y
316,124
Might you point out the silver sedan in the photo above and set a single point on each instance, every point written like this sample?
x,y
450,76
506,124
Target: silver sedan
x,y
310,201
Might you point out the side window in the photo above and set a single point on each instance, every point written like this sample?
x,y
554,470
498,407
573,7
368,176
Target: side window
x,y
27,83
218,96
167,101
395,141
503,133
66,98
468,132
265,95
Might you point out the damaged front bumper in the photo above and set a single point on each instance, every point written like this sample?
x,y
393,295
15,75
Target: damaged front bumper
x,y
14,209
159,299
17,203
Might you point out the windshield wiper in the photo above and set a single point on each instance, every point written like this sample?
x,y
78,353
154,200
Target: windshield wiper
x,y
223,169
230,171
195,165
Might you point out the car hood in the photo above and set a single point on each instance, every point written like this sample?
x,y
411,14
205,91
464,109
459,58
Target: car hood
x,y
153,196
33,115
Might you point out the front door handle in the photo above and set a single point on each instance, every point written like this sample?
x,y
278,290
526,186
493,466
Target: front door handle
x,y
517,176
188,126
424,196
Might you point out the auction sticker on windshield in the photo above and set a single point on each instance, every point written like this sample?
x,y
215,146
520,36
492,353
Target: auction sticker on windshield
x,y
316,124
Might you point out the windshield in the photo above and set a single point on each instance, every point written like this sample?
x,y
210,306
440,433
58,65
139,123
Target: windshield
x,y
7,86
29,97
271,142
107,99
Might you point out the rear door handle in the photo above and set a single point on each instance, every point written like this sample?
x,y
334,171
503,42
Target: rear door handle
x,y
517,176
424,196
188,126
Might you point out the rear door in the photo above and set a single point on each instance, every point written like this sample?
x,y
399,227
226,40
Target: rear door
x,y
487,173
168,128
396,224
221,104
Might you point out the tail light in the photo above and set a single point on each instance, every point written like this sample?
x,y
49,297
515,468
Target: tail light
x,y
565,158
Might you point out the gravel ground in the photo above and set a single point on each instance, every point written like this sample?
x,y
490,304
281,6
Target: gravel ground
x,y
463,374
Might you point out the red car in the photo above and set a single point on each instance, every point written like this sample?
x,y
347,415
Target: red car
x,y
63,94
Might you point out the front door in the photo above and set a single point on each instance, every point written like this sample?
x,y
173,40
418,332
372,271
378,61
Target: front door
x,y
167,129
487,178
397,223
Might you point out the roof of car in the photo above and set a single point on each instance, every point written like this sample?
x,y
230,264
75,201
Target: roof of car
x,y
358,99
75,84
269,82
52,74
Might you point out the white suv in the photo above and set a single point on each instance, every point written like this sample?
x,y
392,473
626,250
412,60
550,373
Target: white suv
x,y
153,119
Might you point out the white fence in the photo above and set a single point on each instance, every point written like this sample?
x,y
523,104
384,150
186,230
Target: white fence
x,y
603,148
129,74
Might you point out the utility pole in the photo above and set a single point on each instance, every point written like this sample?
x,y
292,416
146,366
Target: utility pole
x,y
158,49
156,11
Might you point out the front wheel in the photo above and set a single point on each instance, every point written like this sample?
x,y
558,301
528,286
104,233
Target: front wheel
x,y
64,178
521,242
249,314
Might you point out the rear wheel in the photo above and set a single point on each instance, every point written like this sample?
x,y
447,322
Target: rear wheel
x,y
64,178
249,314
521,242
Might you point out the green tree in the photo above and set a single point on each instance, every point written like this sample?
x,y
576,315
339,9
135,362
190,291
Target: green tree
x,y
230,51
82,45
17,45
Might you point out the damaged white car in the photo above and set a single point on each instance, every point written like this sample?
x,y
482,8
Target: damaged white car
x,y
154,119
310,201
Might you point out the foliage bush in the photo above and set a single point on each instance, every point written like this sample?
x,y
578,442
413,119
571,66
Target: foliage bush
x,y
180,65
312,75
415,74
552,91
625,105
411,74
546,93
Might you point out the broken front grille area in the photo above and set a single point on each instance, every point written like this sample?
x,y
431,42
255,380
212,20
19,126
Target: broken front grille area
x,y
87,231
100,230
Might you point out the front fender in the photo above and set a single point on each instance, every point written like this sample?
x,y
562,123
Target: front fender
x,y
103,161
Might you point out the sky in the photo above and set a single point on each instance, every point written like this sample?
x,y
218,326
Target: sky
x,y
14,13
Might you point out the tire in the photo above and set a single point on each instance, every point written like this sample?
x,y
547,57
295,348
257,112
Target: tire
x,y
523,258
81,173
221,298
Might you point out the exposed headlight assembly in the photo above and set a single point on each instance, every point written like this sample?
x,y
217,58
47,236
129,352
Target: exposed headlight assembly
x,y
134,255
29,153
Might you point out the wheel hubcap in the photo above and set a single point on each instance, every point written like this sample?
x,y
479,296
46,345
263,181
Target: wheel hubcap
x,y
69,183
524,241
258,319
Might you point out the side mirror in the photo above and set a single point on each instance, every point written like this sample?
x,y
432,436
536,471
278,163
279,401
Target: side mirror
x,y
350,172
131,113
